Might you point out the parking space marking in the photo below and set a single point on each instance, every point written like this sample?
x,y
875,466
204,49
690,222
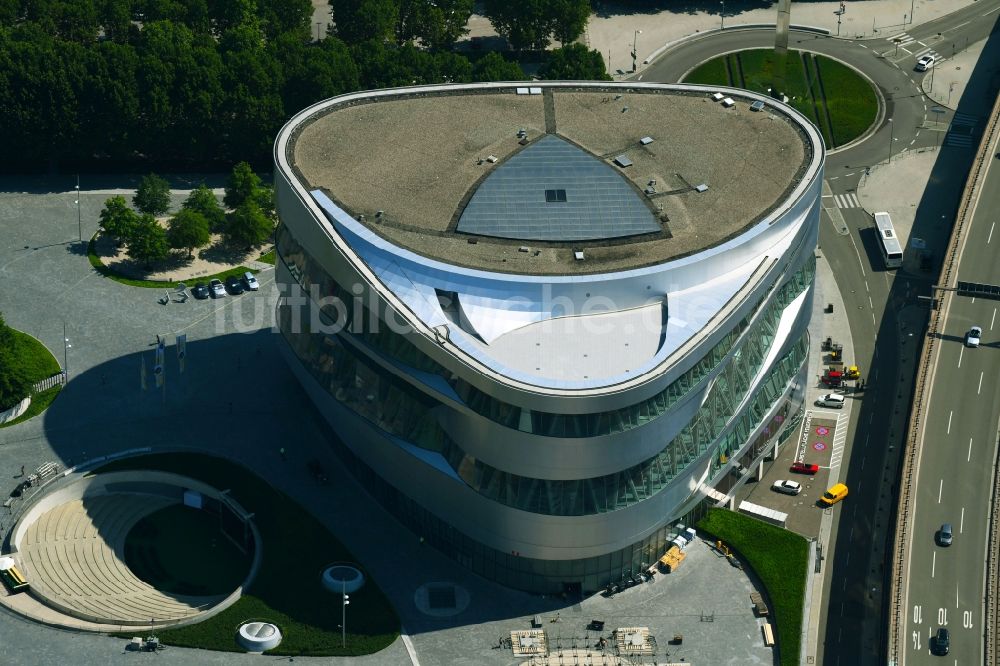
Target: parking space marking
x,y
950,414
940,488
968,458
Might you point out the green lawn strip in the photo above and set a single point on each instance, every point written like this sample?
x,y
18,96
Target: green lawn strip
x,y
287,590
779,558
39,403
712,72
109,272
267,257
811,79
35,357
851,101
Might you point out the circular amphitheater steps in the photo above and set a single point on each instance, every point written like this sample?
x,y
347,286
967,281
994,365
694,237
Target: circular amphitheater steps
x,y
74,557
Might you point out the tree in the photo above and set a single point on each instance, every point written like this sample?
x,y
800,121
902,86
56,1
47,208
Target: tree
x,y
574,63
188,230
241,185
148,241
436,23
248,226
153,195
529,24
493,67
14,382
363,20
202,201
117,219
313,71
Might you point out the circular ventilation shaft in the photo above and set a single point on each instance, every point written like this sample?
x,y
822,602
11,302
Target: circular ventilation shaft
x,y
343,578
259,636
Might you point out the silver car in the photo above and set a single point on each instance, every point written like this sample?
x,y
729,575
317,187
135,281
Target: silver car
x,y
217,289
973,337
787,487
250,282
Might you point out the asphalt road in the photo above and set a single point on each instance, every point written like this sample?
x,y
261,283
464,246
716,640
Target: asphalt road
x,y
882,306
946,585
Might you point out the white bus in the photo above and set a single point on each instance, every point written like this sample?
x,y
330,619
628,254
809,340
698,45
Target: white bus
x,y
888,242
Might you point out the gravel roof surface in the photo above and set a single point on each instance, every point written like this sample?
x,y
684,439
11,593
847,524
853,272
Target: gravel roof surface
x,y
418,159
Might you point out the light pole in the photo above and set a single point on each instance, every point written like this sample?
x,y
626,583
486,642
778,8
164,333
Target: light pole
x,y
911,10
722,15
950,88
343,613
635,39
891,136
79,217
66,348
318,24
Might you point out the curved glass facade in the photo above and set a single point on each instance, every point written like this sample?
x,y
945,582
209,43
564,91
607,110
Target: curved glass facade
x,y
611,492
339,312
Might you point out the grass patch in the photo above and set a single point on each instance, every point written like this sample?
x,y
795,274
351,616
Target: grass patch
x,y
109,272
849,99
779,559
34,357
39,403
287,589
267,257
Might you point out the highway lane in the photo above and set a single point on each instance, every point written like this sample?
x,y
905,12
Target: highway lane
x,y
945,586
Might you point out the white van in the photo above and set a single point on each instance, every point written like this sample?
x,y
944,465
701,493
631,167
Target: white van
x,y
833,400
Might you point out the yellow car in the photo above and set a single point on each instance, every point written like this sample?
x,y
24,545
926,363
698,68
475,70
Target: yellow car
x,y
833,495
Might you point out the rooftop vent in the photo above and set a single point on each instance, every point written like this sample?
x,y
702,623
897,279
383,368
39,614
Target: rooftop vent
x,y
623,161
555,196
578,255
646,140
728,102
701,188
717,96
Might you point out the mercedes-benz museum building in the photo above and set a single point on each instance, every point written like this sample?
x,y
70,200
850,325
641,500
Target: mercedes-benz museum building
x,y
549,321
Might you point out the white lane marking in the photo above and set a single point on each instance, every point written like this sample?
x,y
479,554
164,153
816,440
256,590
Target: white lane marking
x,y
990,237
995,9
993,319
933,562
950,414
961,24
968,457
980,389
961,351
870,303
858,252
961,521
940,488
956,604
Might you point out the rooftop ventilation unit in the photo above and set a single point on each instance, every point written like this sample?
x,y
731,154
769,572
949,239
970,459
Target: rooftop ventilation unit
x,y
578,255
701,188
623,161
717,96
646,140
728,102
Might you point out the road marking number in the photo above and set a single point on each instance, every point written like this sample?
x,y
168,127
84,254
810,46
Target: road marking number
x,y
943,617
967,619
917,615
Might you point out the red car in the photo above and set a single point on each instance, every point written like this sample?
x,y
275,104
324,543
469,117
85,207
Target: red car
x,y
804,468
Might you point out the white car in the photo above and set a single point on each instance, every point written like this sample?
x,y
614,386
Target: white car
x,y
973,336
832,400
925,62
216,288
250,282
787,487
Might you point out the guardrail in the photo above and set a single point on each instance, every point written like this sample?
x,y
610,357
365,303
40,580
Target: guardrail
x,y
896,605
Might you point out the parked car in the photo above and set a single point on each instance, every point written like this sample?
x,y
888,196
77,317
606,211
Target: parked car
x,y
233,285
832,400
804,468
833,495
973,336
216,288
941,642
787,487
945,535
925,62
250,282
200,291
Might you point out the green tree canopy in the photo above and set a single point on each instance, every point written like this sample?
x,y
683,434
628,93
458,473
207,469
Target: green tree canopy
x,y
117,219
530,24
359,21
314,71
437,24
248,226
202,201
147,243
152,196
494,67
241,185
14,382
188,230
574,63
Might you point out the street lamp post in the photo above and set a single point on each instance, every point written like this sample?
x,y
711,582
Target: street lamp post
x,y
343,613
722,15
911,10
318,24
66,348
79,216
891,137
635,39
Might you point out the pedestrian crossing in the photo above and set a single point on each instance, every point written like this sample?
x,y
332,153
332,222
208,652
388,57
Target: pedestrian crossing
x,y
903,39
962,130
849,200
